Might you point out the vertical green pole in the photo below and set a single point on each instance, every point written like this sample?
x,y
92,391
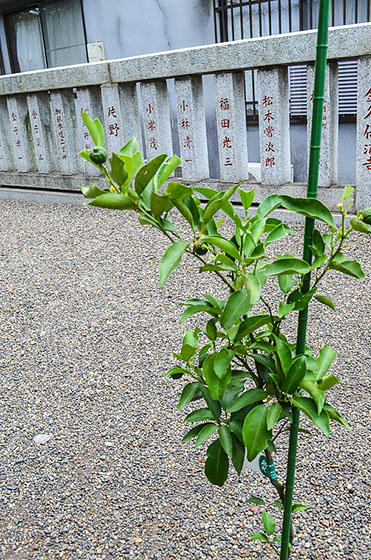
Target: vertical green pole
x,y
315,143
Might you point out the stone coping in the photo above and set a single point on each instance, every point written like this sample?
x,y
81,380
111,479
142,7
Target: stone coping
x,y
349,41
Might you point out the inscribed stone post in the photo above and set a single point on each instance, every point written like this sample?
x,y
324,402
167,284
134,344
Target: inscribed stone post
x,y
89,101
19,133
63,119
112,117
328,163
156,118
231,126
6,156
274,126
190,112
130,113
43,142
363,160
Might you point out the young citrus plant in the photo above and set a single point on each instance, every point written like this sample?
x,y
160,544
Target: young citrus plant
x,y
240,367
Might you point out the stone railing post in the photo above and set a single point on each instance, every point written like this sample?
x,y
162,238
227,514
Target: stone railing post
x,y
19,133
43,141
6,157
274,126
63,120
130,113
231,126
156,118
363,160
190,112
328,165
89,101
112,117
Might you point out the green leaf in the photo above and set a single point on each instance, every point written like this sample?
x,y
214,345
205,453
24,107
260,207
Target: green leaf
x,y
222,243
326,301
252,286
222,362
247,198
212,404
167,168
287,266
268,205
318,245
205,433
194,432
211,330
351,268
348,191
238,456
119,172
94,127
130,148
92,191
286,282
250,325
207,192
225,439
176,372
335,415
269,523
237,305
273,415
278,504
277,233
216,203
295,375
300,507
259,537
171,260
308,406
193,309
113,200
249,397
177,191
159,204
216,465
255,500
187,395
358,225
147,172
317,395
285,308
284,354
310,207
328,382
215,385
199,415
322,364
255,432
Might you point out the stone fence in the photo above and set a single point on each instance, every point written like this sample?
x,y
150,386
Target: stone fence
x,y
41,131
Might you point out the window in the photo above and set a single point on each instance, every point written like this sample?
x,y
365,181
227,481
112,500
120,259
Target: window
x,y
45,35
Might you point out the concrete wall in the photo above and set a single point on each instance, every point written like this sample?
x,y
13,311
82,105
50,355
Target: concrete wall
x,y
146,26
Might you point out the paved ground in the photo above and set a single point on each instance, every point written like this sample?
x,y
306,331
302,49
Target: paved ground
x,y
86,335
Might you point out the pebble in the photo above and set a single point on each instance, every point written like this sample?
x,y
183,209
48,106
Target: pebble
x,y
42,438
86,336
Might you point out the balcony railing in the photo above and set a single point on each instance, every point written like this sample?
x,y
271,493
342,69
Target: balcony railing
x,y
41,130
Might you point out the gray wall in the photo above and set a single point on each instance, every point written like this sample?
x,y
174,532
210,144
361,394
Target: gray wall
x,y
129,28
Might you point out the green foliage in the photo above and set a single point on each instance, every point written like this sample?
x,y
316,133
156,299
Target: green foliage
x,y
243,377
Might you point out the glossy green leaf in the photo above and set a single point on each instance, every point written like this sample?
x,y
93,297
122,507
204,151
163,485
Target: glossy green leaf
x,y
351,268
277,233
177,191
248,397
130,148
207,192
348,191
250,325
188,393
171,260
310,207
195,431
113,200
237,305
205,433
268,205
211,330
284,354
328,382
295,375
94,127
199,415
225,439
285,308
215,385
216,465
119,172
238,457
92,191
259,537
222,362
269,523
300,507
322,364
193,309
216,203
253,288
287,266
147,172
274,413
212,404
167,169
175,372
159,204
318,245
255,432
286,282
360,226
255,500
247,198
326,301
317,394
308,406
335,415
224,244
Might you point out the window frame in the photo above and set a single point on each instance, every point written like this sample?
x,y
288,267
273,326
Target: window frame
x,y
11,9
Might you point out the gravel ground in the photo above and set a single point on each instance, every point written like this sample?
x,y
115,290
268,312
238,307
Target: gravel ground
x,y
86,336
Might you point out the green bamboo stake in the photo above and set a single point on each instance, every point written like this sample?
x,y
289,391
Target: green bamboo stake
x,y
315,144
